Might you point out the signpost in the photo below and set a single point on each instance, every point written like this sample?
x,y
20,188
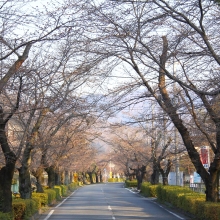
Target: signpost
x,y
204,156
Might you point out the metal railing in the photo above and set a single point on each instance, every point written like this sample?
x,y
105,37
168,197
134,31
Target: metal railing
x,y
197,187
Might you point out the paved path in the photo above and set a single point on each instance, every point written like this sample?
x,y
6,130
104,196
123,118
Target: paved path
x,y
109,201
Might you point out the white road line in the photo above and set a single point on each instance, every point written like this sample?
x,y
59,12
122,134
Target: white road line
x,y
131,191
62,202
110,208
170,212
160,206
48,216
176,215
51,212
65,199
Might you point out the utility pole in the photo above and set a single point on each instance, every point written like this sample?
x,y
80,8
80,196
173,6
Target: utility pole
x,y
110,166
175,132
177,170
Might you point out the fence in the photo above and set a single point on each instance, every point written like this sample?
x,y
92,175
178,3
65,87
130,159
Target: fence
x,y
197,187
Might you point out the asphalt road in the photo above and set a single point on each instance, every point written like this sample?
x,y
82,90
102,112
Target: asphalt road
x,y
110,201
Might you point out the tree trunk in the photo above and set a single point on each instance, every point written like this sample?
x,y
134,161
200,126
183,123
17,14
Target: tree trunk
x,y
165,179
62,177
140,176
38,175
51,176
7,171
57,177
166,172
139,181
71,177
84,179
39,185
209,178
212,183
6,176
155,177
91,177
97,177
24,172
25,182
101,178
67,177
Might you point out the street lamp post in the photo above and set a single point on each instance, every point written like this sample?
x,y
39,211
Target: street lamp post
x,y
177,170
105,175
176,101
110,170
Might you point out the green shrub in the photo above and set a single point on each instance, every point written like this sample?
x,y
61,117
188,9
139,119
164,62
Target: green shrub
x,y
6,216
198,208
38,202
72,186
32,206
113,180
161,193
19,207
23,209
64,190
43,197
209,210
51,195
87,178
81,183
129,183
170,193
153,190
149,190
183,198
187,201
58,190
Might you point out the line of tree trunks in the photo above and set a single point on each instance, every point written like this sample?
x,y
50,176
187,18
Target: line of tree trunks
x,y
6,176
7,171
51,176
139,172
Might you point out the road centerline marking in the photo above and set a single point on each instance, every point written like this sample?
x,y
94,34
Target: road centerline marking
x,y
48,216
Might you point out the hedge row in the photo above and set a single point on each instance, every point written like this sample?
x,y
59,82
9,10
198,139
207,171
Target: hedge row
x,y
130,183
73,186
148,190
114,180
185,199
23,209
6,216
